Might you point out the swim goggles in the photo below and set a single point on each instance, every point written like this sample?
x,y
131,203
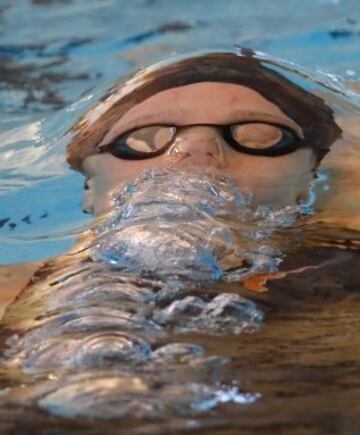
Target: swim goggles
x,y
154,140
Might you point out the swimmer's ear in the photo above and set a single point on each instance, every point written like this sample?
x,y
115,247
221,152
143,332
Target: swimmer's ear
x,y
88,201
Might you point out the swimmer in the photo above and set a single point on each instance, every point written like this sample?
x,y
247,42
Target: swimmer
x,y
219,113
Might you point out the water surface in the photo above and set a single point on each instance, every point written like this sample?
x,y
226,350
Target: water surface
x,y
198,345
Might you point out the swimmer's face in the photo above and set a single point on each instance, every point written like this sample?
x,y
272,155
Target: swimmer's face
x,y
198,111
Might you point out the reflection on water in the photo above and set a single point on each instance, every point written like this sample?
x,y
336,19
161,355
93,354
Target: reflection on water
x,y
111,317
169,339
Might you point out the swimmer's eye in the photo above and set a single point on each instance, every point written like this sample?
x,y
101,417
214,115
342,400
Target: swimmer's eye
x,y
258,138
142,143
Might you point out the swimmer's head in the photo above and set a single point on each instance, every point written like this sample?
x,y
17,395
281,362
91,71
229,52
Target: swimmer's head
x,y
220,112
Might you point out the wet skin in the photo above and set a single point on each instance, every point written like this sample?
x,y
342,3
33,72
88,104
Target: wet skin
x,y
199,145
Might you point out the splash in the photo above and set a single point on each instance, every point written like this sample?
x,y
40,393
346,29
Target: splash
x,y
168,223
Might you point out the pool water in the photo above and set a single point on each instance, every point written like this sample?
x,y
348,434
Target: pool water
x,y
195,354
49,78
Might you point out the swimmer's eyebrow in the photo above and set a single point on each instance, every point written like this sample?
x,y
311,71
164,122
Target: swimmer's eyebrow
x,y
176,118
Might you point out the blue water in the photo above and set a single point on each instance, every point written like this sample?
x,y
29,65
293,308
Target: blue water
x,y
59,56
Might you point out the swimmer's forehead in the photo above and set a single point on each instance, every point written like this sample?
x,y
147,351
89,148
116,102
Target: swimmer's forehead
x,y
201,103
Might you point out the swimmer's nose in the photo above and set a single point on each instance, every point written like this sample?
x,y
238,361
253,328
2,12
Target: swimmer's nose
x,y
198,141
